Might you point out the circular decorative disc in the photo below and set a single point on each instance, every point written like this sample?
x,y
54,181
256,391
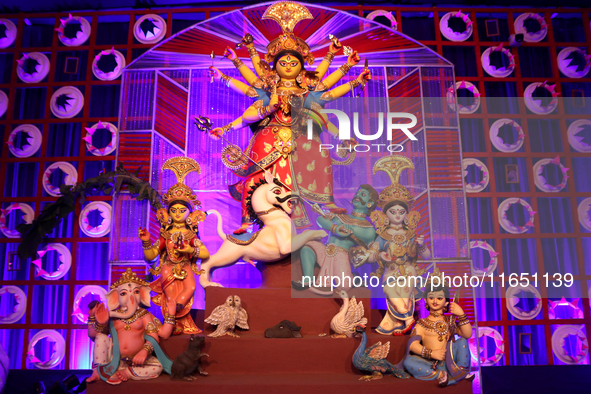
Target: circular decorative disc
x,y
71,177
34,140
576,141
28,216
3,102
58,349
561,334
499,143
38,71
512,301
20,306
536,105
538,36
111,146
568,64
9,33
117,67
493,71
450,33
65,257
82,34
66,102
149,29
104,227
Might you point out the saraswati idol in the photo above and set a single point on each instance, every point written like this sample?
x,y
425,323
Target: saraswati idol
x,y
285,93
178,246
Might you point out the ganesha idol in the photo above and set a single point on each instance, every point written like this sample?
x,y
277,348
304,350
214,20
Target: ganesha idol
x,y
126,335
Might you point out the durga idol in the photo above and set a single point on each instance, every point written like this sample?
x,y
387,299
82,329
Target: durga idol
x,y
280,144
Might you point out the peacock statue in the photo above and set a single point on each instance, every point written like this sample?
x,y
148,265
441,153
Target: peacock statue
x,y
373,359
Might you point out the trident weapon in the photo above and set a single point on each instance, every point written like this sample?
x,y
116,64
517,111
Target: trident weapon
x,y
212,57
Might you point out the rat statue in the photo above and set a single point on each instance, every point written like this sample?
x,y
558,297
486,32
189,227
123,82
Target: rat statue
x,y
185,365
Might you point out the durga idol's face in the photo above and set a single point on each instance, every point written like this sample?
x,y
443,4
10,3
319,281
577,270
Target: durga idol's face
x,y
288,67
179,213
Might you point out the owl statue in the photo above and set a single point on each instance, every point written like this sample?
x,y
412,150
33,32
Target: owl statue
x,y
227,316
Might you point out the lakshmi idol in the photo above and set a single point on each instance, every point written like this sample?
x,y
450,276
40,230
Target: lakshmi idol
x,y
396,248
433,352
178,246
279,143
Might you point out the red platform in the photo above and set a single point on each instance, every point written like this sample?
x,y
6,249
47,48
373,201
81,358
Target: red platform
x,y
255,364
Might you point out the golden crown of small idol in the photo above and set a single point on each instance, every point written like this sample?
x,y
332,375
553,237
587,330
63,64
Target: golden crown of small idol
x,y
129,277
182,192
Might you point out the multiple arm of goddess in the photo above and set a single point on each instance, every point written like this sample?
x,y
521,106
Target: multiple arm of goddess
x,y
257,111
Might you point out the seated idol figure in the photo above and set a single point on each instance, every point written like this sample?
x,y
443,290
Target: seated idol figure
x,y
432,351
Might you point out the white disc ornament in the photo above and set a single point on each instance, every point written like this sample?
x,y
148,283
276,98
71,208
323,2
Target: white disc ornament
x,y
480,186
67,168
87,290
9,33
566,62
59,349
578,141
558,343
499,343
508,225
28,216
512,301
149,29
537,105
111,146
38,72
499,143
542,183
493,257
500,72
33,144
65,258
102,228
3,102
537,36
452,93
20,306
450,33
81,35
387,14
66,102
584,212
112,74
